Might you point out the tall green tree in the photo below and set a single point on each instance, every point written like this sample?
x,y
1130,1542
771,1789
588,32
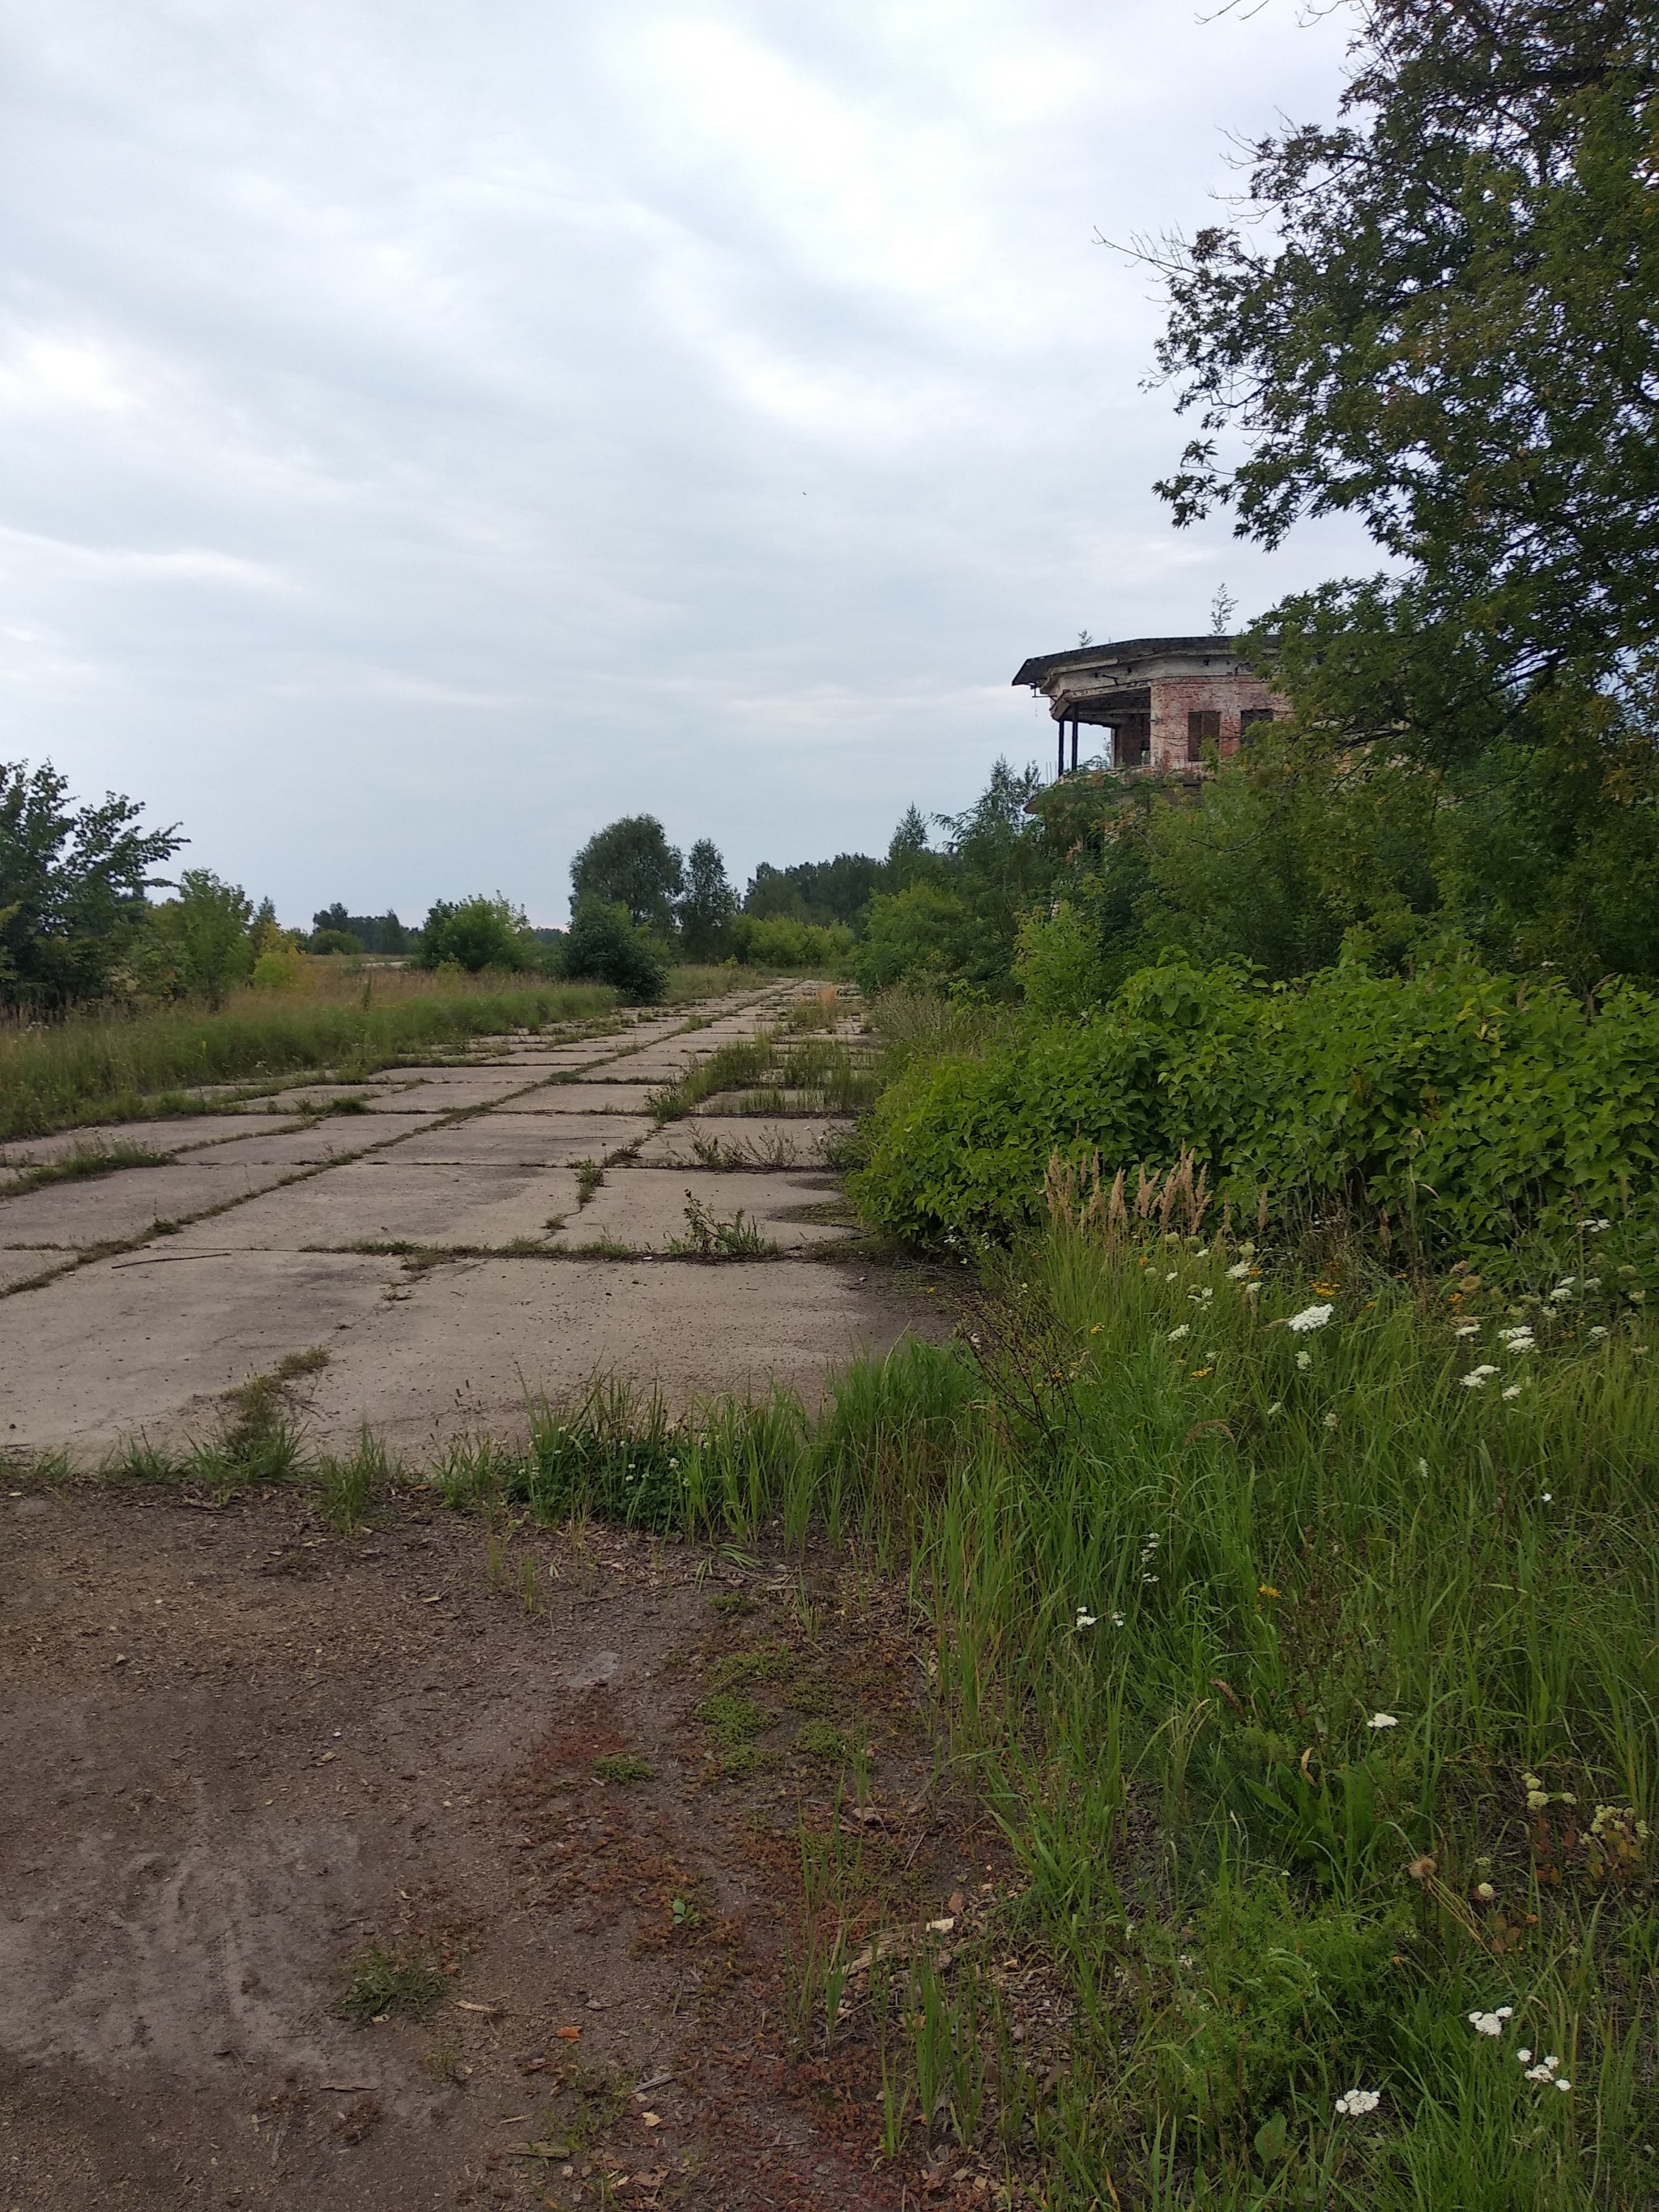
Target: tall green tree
x,y
214,928
707,904
630,863
72,886
1439,315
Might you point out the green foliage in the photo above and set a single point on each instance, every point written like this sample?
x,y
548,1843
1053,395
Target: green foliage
x,y
624,1767
479,934
1436,315
794,946
211,923
631,864
381,932
1058,964
1453,1104
603,945
72,885
707,905
928,933
819,892
342,940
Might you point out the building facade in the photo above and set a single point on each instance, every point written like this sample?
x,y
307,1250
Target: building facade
x,y
1167,704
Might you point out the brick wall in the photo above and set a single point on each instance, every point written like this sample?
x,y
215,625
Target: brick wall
x,y
1176,697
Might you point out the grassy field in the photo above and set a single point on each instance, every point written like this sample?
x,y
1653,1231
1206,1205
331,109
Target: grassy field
x,y
113,1067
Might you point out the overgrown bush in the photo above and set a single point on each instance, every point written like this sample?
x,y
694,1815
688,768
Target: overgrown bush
x,y
479,934
603,946
1455,1105
781,943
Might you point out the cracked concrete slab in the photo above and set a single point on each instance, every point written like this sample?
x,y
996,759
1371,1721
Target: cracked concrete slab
x,y
759,1140
647,1212
177,1132
587,1097
474,1343
102,1209
387,1198
509,1136
149,1342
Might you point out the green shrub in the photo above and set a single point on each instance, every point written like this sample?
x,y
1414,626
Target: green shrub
x,y
929,932
781,943
1460,1105
479,934
604,945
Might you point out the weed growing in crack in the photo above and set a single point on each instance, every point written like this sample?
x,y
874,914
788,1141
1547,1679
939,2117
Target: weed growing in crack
x,y
708,1237
590,1177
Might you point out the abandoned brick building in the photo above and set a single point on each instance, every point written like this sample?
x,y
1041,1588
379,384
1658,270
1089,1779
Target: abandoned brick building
x,y
1163,702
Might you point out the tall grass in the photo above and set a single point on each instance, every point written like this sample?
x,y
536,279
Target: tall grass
x,y
1315,1684
114,1067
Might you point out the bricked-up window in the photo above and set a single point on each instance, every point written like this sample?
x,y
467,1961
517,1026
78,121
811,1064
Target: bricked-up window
x,y
1203,728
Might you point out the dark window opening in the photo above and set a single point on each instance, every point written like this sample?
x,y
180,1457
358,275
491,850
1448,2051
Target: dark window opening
x,y
1132,741
1249,718
1203,728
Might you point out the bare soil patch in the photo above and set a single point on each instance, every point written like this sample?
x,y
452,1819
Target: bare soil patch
x,y
419,1869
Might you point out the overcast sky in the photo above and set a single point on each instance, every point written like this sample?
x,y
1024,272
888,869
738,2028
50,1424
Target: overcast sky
x,y
430,429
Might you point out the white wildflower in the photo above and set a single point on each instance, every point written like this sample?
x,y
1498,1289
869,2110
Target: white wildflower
x,y
1466,1329
1238,1272
1277,1406
1547,1498
1250,1288
1490,2023
1185,1329
1304,1360
1596,1228
1330,1420
1592,1282
1354,2104
1564,2086
1523,2057
1423,1468
1596,1334
1476,1377
1383,1720
1520,1339
1561,1292
1084,1617
1484,1891
1117,1620
1514,1391
1311,1318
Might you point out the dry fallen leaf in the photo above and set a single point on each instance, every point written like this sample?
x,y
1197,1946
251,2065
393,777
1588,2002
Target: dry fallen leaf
x,y
568,2034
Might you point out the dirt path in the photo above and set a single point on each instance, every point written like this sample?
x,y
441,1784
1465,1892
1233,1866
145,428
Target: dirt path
x,y
245,1755
314,1892
442,1241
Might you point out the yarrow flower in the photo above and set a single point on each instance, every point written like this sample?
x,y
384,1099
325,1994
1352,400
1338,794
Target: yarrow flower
x,y
1383,1720
1490,2023
1084,1617
1237,1274
1354,2104
1517,1339
1476,1377
1466,1329
1304,1360
1514,1391
1311,1318
1176,1334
